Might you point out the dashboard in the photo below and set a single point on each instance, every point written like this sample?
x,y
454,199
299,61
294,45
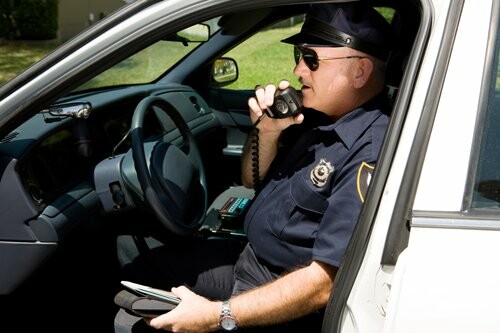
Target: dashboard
x,y
51,160
47,166
52,167
66,154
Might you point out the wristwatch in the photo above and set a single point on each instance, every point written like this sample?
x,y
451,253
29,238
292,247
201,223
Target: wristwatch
x,y
227,321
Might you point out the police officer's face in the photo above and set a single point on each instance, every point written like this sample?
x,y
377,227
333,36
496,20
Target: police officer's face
x,y
331,84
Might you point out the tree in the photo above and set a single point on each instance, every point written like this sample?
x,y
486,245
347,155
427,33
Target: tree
x,y
29,19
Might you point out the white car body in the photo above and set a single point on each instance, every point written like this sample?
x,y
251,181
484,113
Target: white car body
x,y
447,279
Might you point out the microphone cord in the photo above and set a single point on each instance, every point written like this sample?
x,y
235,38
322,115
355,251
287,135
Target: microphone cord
x,y
254,147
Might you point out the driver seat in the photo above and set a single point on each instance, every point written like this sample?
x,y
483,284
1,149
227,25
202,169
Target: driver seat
x,y
126,321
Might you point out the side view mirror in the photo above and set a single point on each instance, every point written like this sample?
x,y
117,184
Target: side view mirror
x,y
224,71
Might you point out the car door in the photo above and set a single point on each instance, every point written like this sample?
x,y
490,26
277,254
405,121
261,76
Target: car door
x,y
429,261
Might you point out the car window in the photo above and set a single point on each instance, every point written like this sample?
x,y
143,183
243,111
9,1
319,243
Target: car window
x,y
263,58
486,187
273,59
155,60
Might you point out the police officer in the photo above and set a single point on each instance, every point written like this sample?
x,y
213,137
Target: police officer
x,y
313,169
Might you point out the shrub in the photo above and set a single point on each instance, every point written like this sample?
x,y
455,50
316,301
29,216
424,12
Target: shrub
x,y
7,29
29,19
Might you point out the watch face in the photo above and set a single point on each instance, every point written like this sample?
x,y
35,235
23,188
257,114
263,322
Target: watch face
x,y
228,323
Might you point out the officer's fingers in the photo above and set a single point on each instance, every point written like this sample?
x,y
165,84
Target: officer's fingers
x,y
260,95
182,291
254,106
298,118
284,123
270,90
284,84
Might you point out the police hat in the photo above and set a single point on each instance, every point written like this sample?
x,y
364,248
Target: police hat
x,y
355,25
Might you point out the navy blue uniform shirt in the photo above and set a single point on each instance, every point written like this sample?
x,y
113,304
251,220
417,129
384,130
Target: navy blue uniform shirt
x,y
314,190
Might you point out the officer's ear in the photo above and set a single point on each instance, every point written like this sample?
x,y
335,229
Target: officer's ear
x,y
363,69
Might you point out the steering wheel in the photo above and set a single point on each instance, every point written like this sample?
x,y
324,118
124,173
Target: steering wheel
x,y
172,178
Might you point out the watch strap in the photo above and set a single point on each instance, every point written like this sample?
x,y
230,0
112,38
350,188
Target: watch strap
x,y
226,317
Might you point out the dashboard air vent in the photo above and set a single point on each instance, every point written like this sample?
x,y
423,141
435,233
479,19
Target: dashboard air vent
x,y
9,137
196,105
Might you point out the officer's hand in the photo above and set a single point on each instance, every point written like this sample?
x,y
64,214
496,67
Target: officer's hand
x,y
193,314
264,97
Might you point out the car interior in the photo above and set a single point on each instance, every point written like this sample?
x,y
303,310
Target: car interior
x,y
162,155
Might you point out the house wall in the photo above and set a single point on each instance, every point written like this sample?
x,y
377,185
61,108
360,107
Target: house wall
x,y
76,15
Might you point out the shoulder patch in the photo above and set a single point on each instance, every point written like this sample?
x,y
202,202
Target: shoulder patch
x,y
365,172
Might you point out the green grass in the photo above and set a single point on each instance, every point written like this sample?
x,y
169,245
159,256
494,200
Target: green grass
x,y
17,56
264,59
261,59
143,67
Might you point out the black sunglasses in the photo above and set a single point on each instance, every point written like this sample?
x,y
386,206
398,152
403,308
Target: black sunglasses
x,y
311,58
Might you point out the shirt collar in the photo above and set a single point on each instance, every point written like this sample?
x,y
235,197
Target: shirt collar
x,y
352,125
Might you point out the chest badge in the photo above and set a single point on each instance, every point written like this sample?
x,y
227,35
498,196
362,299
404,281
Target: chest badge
x,y
319,174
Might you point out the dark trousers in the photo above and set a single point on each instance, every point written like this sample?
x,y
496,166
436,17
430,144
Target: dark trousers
x,y
215,268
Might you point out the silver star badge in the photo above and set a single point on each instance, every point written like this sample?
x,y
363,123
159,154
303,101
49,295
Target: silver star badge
x,y
319,174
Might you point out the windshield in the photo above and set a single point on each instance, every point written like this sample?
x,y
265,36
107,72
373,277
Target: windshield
x,y
152,62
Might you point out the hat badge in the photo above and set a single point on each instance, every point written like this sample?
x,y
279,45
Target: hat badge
x,y
319,174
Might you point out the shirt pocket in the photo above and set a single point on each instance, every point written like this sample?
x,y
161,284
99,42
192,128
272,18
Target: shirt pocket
x,y
297,221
